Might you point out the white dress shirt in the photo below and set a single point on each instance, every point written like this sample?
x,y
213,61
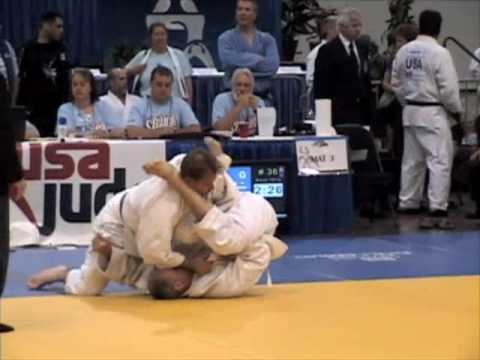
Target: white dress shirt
x,y
116,109
346,44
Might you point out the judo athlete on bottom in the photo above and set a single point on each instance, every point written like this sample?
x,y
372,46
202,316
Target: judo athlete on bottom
x,y
240,240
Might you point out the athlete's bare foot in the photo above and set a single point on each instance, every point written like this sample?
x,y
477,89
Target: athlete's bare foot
x,y
216,149
213,146
160,168
48,276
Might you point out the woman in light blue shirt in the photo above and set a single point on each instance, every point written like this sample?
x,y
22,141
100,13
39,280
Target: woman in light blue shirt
x,y
84,115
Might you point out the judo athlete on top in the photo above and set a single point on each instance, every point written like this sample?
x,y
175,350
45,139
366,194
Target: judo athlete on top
x,y
240,241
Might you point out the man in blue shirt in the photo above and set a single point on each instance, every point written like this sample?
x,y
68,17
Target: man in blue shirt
x,y
161,114
238,107
246,47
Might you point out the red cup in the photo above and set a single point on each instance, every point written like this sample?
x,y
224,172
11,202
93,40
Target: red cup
x,y
243,130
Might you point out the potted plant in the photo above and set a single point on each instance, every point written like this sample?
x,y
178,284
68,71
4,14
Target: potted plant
x,y
122,54
300,17
400,13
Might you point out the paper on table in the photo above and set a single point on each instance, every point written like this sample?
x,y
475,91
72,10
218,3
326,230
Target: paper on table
x,y
267,118
297,70
206,72
323,117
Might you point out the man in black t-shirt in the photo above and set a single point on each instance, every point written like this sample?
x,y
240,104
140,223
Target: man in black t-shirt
x,y
44,74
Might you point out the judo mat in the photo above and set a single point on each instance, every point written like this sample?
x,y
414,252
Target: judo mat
x,y
410,296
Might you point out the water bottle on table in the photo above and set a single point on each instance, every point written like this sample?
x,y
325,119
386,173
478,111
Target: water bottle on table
x,y
89,125
80,129
62,129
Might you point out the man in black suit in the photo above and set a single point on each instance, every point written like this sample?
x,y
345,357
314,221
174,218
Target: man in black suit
x,y
342,73
11,181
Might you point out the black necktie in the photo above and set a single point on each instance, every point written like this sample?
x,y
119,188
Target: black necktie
x,y
353,56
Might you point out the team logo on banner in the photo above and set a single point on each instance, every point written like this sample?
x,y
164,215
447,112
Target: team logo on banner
x,y
55,167
183,16
69,183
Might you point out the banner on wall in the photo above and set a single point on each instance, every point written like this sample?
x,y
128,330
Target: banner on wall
x,y
69,183
184,18
194,25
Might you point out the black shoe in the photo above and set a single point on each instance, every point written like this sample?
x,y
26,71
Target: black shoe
x,y
5,328
438,213
427,223
410,211
473,216
445,223
452,205
367,211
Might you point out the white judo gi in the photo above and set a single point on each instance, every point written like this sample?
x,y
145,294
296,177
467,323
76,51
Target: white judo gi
x,y
141,221
117,110
425,81
243,236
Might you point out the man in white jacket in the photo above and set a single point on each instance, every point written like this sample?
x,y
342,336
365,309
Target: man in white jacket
x,y
118,101
425,80
141,220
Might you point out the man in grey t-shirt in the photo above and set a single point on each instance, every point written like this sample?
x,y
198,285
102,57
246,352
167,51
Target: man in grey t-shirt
x,y
161,114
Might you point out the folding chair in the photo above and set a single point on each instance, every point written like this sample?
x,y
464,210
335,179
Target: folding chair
x,y
370,180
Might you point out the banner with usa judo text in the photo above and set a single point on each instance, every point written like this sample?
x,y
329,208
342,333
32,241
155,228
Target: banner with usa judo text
x,y
69,183
193,25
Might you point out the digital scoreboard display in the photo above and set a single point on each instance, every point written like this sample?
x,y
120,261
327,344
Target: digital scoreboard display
x,y
264,179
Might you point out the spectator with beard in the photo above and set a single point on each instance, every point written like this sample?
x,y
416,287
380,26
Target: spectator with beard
x,y
44,74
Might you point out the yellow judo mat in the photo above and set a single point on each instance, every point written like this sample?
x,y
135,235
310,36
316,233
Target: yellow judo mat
x,y
431,318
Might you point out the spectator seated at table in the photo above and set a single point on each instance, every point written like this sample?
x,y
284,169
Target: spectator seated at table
x,y
247,47
118,101
142,65
85,115
236,110
162,113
